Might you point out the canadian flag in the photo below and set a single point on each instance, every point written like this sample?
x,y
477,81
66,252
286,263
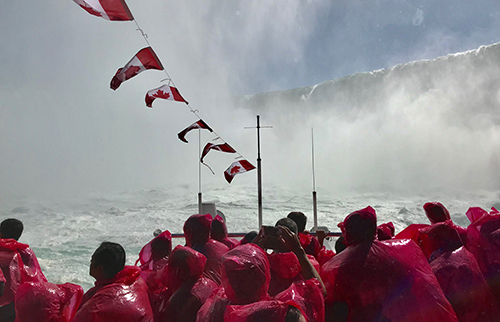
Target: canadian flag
x,y
145,59
240,166
219,147
197,125
166,92
116,10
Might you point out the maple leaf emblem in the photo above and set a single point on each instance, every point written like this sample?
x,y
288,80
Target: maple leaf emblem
x,y
163,94
235,169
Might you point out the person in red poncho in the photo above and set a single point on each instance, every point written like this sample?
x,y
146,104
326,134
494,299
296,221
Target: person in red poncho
x,y
436,212
287,266
153,260
197,234
310,244
119,293
483,240
243,295
219,232
375,280
18,263
458,274
188,287
47,302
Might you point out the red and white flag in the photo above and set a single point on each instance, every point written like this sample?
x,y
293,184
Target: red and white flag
x,y
145,59
240,166
219,147
116,10
165,92
197,125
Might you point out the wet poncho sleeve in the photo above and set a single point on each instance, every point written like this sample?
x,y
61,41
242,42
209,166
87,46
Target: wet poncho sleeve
x,y
123,298
47,302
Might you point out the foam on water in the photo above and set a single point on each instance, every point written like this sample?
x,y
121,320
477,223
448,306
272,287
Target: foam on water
x,y
65,233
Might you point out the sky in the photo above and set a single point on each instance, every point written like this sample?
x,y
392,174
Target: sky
x,y
64,131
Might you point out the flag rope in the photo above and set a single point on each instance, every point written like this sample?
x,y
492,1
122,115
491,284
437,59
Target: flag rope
x,y
171,82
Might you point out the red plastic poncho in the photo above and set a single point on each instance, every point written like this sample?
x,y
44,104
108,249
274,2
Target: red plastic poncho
x,y
286,269
197,234
465,287
436,212
483,241
262,311
383,280
307,296
411,232
19,264
219,233
310,244
439,238
153,271
385,231
245,280
190,290
474,213
243,295
47,302
123,298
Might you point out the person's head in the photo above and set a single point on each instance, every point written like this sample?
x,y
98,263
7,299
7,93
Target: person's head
x,y
288,223
184,265
340,244
300,219
436,212
107,260
11,228
245,274
218,229
359,226
385,231
161,246
197,229
249,237
442,236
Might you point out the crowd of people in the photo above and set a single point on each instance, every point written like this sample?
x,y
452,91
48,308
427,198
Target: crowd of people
x,y
427,272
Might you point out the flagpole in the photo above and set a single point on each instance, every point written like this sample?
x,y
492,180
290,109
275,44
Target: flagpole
x,y
259,169
259,173
199,173
315,202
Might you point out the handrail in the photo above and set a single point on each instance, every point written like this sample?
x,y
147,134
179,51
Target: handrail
x,y
334,234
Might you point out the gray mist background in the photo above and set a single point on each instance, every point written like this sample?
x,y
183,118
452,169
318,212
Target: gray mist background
x,y
64,132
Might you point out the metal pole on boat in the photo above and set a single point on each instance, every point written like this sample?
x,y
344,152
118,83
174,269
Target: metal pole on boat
x,y
259,173
259,168
200,199
315,204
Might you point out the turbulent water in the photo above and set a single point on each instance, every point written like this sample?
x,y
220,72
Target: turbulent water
x,y
64,233
393,139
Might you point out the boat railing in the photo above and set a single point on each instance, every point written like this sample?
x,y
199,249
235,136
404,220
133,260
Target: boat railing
x,y
330,234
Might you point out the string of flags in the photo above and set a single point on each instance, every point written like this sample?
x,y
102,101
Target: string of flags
x,y
145,59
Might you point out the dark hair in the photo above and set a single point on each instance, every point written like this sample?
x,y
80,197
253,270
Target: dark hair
x,y
111,256
249,237
11,228
288,223
340,244
299,218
